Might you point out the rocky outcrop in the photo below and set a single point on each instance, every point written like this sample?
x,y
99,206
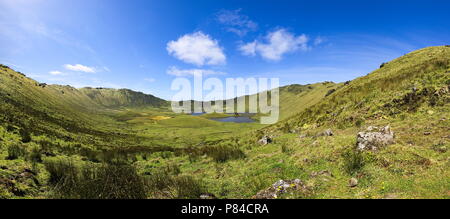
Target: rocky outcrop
x,y
327,132
330,92
374,138
281,187
265,140
208,196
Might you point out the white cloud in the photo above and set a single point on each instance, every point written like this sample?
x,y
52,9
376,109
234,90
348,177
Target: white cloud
x,y
249,49
56,73
192,72
319,40
198,49
277,44
151,80
236,22
81,68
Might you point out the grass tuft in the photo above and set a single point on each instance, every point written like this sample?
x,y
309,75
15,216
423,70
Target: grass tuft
x,y
353,161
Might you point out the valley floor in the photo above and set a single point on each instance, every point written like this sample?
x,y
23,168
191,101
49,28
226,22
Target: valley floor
x,y
416,166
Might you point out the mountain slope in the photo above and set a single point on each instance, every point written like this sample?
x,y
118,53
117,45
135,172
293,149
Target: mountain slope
x,y
28,104
63,111
296,98
122,98
411,94
401,86
292,98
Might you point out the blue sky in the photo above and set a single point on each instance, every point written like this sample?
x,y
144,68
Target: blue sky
x,y
144,44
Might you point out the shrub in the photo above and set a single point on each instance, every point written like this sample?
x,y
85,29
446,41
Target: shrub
x,y
47,147
112,157
359,122
286,128
285,148
172,169
35,155
4,66
25,135
353,161
166,154
15,151
221,154
159,180
330,92
165,183
106,181
110,181
187,187
61,171
63,177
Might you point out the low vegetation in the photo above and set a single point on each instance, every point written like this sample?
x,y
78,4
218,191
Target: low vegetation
x,y
61,142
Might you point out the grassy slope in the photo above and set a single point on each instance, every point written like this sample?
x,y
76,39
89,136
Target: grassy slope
x,y
122,98
416,166
386,91
295,98
65,122
25,103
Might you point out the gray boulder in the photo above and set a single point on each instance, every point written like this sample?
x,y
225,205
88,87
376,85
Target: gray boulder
x,y
374,138
353,182
265,140
327,132
281,187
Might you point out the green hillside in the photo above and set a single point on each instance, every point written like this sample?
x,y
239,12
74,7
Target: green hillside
x,y
292,98
411,94
398,88
37,107
61,142
296,98
122,98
